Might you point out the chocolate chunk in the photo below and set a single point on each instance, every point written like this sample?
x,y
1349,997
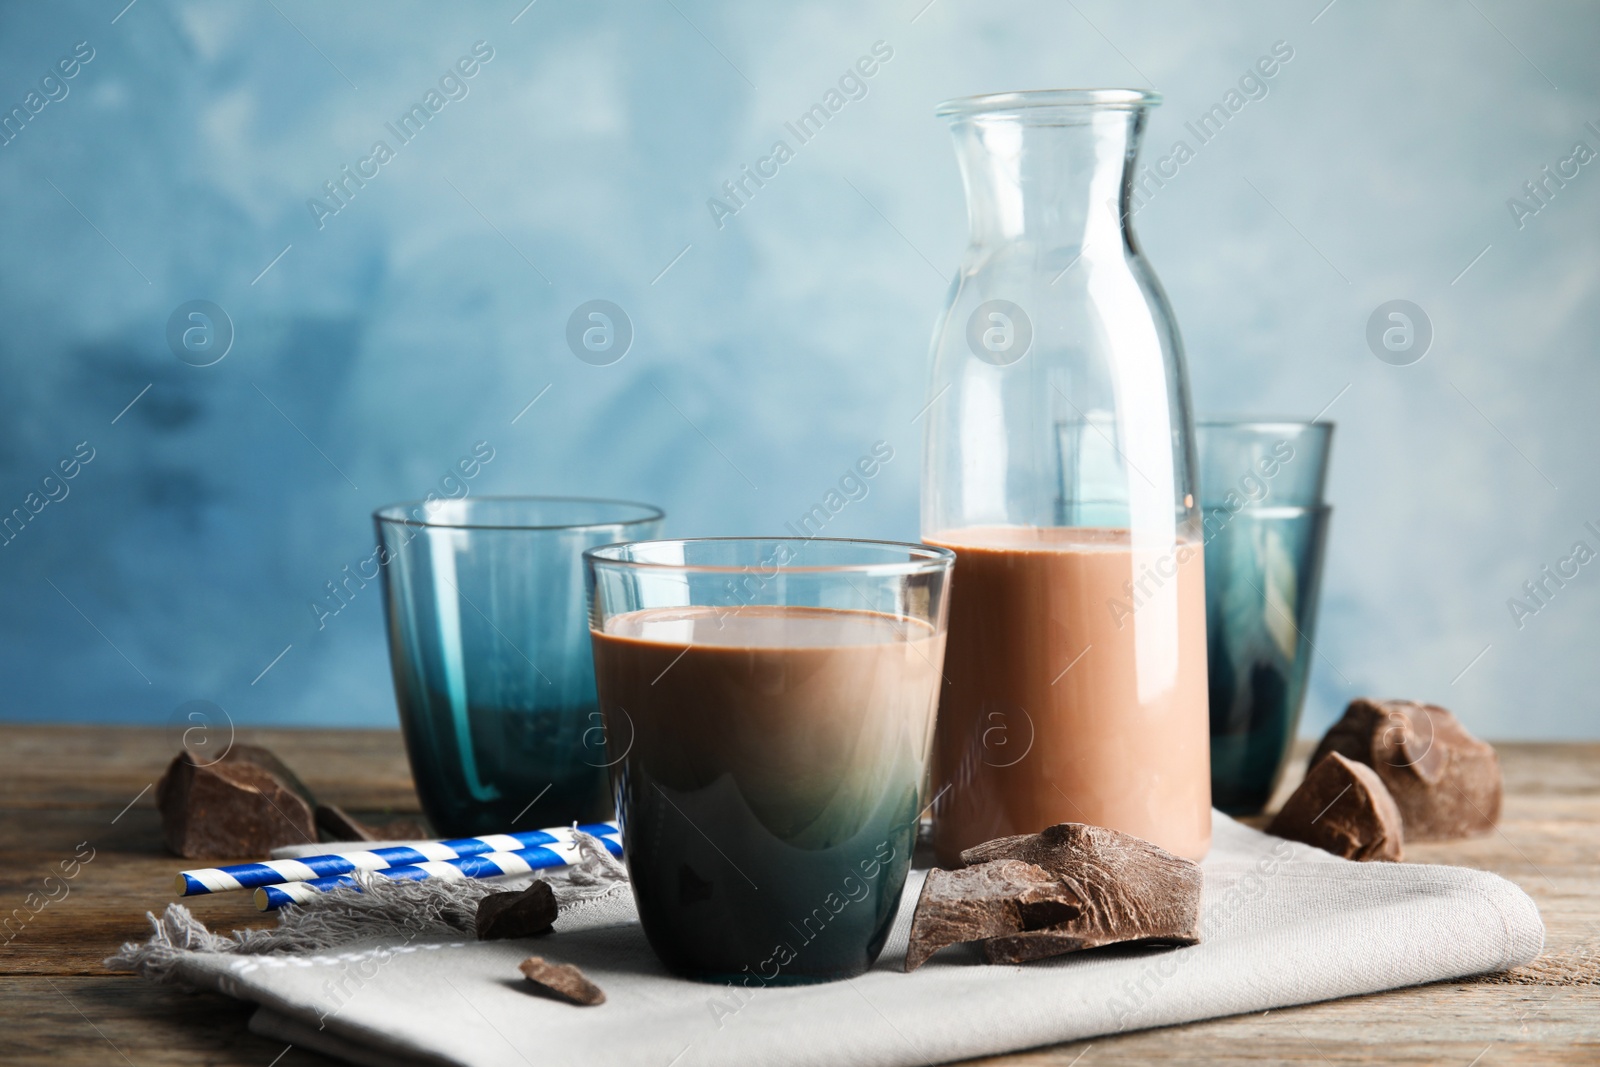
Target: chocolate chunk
x,y
1445,782
502,915
562,979
1342,807
340,825
985,901
1034,945
1071,887
244,804
1131,889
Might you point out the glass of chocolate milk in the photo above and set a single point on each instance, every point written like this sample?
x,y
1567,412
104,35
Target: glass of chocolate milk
x,y
1059,465
769,708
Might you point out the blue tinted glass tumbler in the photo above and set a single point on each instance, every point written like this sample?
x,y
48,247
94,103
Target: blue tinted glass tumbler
x,y
489,643
1265,531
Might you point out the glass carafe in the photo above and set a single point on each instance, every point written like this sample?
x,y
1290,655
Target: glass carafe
x,y
1059,465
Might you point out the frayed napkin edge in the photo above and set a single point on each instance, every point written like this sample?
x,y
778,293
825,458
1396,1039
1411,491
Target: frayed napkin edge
x,y
379,907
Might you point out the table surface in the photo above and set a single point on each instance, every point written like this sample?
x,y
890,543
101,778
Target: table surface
x,y
67,789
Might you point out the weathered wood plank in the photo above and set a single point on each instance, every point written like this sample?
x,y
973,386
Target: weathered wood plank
x,y
106,767
64,786
78,1022
1438,1024
99,1022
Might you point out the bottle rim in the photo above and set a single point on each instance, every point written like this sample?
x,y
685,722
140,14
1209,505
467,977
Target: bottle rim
x,y
1034,100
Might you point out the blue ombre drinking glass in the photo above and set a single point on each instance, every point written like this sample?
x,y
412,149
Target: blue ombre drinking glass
x,y
489,642
1265,528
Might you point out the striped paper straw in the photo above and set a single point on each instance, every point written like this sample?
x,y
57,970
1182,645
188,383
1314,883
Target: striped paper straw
x,y
486,865
307,868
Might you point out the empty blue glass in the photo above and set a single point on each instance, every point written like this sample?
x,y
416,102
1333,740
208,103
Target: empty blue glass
x,y
489,643
1265,528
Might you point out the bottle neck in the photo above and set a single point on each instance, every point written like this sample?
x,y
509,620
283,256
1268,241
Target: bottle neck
x,y
1048,182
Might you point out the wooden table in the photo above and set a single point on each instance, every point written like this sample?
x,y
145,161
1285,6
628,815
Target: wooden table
x,y
65,790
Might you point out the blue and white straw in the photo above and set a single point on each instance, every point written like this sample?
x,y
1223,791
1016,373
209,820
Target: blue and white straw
x,y
486,865
310,868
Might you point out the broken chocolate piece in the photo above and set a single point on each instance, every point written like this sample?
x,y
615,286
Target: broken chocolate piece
x,y
1446,783
340,825
1071,887
1034,945
244,804
562,979
521,914
1131,890
985,901
1342,807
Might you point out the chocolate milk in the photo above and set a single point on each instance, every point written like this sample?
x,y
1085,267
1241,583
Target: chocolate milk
x,y
769,762
1073,695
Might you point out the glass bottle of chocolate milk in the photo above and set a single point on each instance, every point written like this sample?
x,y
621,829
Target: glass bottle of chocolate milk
x,y
1059,465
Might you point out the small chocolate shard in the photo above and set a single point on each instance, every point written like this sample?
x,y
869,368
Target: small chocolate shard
x,y
1446,783
521,914
562,979
340,825
244,804
985,901
1344,808
1068,888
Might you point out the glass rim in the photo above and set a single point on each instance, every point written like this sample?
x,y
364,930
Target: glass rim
x,y
1267,424
1032,99
397,514
925,558
1319,509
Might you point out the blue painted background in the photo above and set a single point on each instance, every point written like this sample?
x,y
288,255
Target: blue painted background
x,y
376,346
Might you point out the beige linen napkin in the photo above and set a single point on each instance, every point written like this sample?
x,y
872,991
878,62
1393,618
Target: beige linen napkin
x,y
1282,924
